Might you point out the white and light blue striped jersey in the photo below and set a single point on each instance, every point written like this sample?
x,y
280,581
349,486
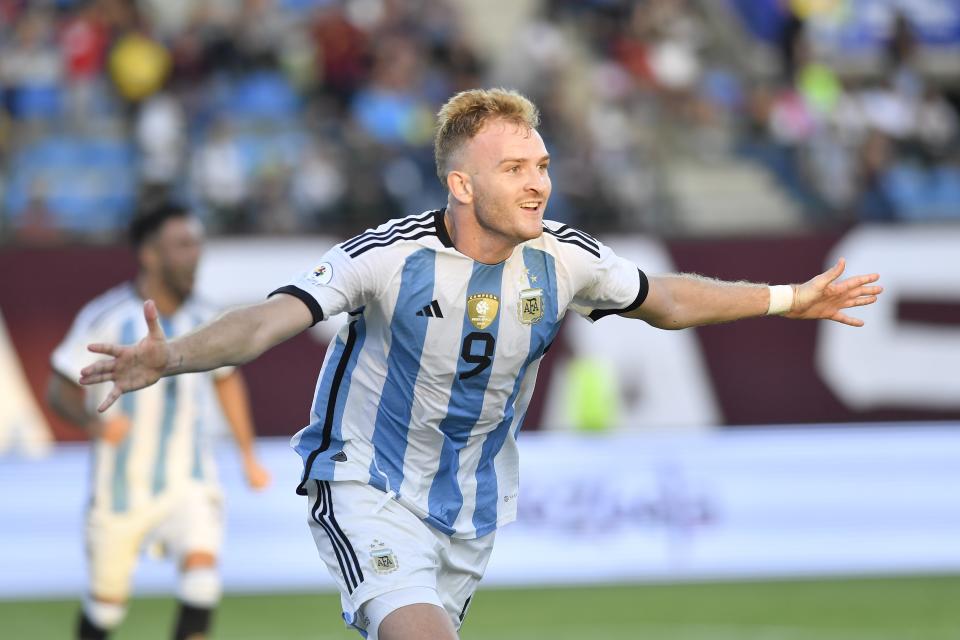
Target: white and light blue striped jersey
x,y
423,391
165,448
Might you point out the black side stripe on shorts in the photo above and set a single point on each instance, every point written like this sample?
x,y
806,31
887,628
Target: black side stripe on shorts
x,y
337,550
343,536
331,406
346,557
463,611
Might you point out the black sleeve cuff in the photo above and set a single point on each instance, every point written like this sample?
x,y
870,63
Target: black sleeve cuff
x,y
596,314
303,297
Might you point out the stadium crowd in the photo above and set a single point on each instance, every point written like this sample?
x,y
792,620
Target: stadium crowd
x,y
287,116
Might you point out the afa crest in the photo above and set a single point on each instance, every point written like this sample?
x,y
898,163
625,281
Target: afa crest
x,y
384,560
482,309
531,306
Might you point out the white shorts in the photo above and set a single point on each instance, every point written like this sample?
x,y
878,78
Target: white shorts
x,y
187,521
372,546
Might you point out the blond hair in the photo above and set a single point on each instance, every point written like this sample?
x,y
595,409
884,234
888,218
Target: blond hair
x,y
462,117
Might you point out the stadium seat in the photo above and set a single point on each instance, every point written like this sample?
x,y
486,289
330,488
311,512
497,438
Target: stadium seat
x,y
263,95
36,102
88,185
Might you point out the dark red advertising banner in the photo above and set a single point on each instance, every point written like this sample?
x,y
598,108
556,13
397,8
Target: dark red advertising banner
x,y
760,372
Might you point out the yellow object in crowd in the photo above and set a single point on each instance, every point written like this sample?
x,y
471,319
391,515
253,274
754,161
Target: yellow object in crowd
x,y
138,65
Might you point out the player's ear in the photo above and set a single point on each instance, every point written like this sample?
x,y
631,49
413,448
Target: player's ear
x,y
147,255
460,187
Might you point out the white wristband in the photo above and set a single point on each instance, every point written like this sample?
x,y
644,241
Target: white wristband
x,y
781,299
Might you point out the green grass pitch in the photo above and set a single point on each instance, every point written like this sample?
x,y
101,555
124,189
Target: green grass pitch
x,y
917,608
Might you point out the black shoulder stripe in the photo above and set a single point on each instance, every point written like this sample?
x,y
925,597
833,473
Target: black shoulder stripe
x,y
570,236
353,243
567,231
370,233
388,241
303,297
374,235
391,236
578,243
596,314
399,226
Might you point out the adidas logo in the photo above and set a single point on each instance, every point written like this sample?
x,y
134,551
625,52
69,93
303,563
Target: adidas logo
x,y
432,310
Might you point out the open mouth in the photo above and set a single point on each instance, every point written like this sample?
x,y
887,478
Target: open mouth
x,y
532,206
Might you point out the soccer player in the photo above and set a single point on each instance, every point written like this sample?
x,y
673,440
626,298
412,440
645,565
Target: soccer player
x,y
410,458
153,479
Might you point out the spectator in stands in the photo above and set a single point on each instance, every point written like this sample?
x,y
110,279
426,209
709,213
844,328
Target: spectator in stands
x,y
220,180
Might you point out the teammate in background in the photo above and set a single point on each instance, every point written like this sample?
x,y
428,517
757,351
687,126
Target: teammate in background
x,y
153,478
410,460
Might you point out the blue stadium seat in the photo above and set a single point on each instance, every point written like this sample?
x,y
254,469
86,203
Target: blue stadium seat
x,y
264,149
89,185
36,102
302,6
764,19
263,95
906,185
946,193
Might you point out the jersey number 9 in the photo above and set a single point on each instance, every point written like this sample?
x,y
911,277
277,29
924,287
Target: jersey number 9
x,y
482,360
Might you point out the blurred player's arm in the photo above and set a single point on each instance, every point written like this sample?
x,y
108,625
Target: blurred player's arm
x,y
68,400
234,400
684,300
236,337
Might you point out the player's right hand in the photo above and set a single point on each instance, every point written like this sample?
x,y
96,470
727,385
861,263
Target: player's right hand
x,y
113,430
257,475
131,367
824,297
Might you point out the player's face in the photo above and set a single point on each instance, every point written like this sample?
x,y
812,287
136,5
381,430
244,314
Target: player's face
x,y
178,246
508,165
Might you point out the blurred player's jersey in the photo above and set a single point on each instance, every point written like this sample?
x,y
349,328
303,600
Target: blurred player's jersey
x,y
423,391
164,450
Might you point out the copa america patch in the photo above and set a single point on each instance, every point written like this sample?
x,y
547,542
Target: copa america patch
x,y
482,309
322,274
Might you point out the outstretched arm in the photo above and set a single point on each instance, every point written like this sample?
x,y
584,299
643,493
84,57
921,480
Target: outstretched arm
x,y
236,337
683,300
232,394
68,399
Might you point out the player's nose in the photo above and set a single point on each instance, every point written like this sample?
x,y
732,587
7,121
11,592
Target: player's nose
x,y
537,182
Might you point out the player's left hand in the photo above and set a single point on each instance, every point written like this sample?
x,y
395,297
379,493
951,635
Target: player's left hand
x,y
824,297
257,475
130,367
